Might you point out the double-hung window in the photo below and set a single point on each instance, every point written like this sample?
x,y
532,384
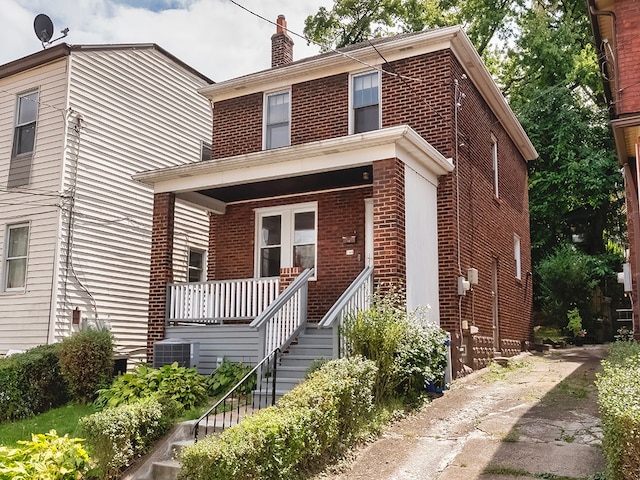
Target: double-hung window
x,y
196,265
365,101
15,260
277,120
286,237
494,159
516,256
23,139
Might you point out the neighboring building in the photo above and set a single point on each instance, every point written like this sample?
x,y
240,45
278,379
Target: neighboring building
x,y
75,122
617,34
400,153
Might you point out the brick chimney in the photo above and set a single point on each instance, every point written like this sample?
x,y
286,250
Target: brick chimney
x,y
281,44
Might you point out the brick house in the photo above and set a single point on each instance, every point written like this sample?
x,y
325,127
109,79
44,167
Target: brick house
x,y
391,162
615,27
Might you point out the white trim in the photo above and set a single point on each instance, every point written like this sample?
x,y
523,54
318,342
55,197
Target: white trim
x,y
287,230
495,165
517,255
202,269
368,232
5,256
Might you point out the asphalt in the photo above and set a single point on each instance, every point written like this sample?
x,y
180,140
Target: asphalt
x,y
536,418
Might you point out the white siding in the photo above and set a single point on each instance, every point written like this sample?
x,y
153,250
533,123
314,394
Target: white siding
x,y
191,230
140,111
24,316
422,242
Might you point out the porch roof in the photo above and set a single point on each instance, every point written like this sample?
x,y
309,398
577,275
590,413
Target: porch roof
x,y
332,163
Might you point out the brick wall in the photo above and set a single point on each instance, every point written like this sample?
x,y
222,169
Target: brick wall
x,y
161,266
340,214
628,54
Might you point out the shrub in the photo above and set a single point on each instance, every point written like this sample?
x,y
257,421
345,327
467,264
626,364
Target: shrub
x,y
45,457
619,402
120,434
314,420
575,322
31,383
227,375
183,385
408,350
86,359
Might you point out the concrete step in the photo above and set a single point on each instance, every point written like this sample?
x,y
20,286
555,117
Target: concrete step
x,y
165,470
315,339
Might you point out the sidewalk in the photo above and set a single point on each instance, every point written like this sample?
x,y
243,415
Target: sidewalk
x,y
537,417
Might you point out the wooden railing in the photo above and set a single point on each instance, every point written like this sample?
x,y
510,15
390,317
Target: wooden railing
x,y
217,301
286,317
356,297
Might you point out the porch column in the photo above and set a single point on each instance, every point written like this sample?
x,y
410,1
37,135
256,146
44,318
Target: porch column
x,y
161,266
389,243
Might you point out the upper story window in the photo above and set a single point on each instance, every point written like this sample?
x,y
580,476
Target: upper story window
x,y
494,157
205,151
365,102
516,255
23,139
277,120
196,265
287,237
15,258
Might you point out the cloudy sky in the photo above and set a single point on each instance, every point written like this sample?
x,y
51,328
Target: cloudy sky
x,y
216,37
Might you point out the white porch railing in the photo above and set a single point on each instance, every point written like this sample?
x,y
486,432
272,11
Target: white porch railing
x,y
217,301
286,317
356,297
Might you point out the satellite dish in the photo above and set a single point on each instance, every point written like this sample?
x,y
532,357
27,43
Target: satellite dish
x,y
43,27
44,30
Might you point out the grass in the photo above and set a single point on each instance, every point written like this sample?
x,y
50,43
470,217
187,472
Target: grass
x,y
514,472
497,372
64,420
541,332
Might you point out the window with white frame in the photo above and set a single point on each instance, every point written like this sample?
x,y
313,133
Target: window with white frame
x,y
277,120
516,256
494,157
287,237
365,102
196,265
15,260
24,136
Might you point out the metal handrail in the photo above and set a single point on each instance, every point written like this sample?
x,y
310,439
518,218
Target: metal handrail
x,y
231,393
337,308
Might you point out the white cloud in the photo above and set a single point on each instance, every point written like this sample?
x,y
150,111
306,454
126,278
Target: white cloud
x,y
215,37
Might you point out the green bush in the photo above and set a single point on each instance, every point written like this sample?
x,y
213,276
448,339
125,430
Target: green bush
x,y
31,383
408,350
227,375
120,434
45,457
86,359
316,419
619,402
575,322
182,385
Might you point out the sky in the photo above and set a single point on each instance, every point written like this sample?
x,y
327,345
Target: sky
x,y
219,39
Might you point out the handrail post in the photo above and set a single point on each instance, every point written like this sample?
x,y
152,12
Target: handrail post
x,y
273,385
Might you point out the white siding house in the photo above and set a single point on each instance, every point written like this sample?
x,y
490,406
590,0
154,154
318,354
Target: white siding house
x,y
75,230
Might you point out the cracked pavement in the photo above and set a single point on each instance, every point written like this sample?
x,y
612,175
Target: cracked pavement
x,y
537,416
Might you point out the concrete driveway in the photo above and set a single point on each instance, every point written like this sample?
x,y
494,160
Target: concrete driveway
x,y
539,416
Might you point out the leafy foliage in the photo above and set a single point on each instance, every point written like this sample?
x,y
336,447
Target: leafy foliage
x,y
316,419
575,322
120,434
227,375
45,457
86,360
180,384
408,351
619,401
31,383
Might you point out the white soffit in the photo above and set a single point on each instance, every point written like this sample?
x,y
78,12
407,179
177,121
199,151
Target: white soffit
x,y
334,154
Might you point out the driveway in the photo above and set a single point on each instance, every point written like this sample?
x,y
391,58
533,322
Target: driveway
x,y
539,416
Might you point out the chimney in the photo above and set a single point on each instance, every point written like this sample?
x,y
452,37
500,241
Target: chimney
x,y
281,44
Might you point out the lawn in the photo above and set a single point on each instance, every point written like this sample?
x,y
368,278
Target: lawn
x,y
63,420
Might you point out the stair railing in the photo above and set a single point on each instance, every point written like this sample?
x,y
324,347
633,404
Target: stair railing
x,y
356,297
247,396
283,320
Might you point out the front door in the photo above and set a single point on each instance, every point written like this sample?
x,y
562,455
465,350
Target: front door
x,y
368,232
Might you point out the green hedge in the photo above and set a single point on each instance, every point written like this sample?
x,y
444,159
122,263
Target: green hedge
x,y
309,424
120,434
619,401
31,383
